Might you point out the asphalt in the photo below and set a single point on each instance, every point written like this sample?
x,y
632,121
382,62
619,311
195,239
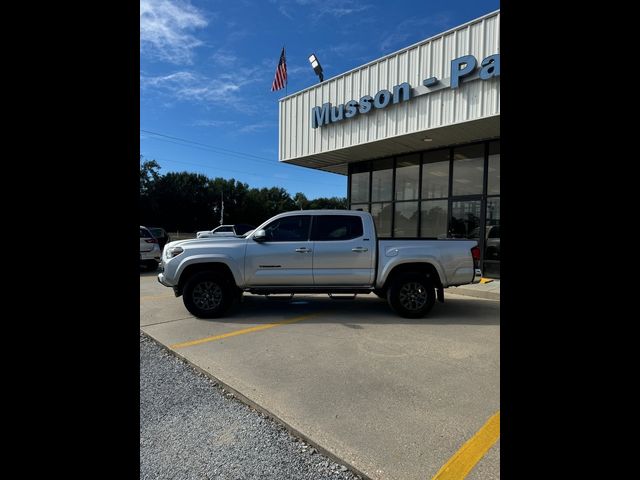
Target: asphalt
x,y
390,398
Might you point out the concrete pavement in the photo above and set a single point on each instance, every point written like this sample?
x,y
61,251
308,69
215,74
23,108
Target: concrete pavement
x,y
393,398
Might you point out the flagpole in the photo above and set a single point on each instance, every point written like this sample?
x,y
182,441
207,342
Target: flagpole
x,y
286,83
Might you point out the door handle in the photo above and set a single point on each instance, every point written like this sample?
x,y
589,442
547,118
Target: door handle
x,y
359,249
303,250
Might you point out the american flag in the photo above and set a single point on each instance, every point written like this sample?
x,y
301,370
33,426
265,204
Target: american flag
x,y
281,74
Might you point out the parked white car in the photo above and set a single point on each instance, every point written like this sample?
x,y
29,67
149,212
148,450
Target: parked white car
x,y
225,231
150,253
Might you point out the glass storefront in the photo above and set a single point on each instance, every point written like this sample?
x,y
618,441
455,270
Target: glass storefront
x,y
444,193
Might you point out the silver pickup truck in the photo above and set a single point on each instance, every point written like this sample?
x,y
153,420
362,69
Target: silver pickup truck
x,y
317,251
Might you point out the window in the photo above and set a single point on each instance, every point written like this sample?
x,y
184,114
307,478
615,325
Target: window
x,y
381,213
336,227
144,233
360,182
465,219
434,219
223,229
435,174
407,177
468,170
157,232
288,229
493,173
382,180
361,206
406,223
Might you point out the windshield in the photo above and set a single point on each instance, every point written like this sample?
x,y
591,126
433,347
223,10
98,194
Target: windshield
x,y
157,232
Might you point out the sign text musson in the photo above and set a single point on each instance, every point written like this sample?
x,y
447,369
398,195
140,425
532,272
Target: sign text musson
x,y
460,68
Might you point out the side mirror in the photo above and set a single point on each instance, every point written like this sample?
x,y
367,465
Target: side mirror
x,y
260,235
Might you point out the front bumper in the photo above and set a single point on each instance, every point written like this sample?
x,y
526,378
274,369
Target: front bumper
x,y
162,280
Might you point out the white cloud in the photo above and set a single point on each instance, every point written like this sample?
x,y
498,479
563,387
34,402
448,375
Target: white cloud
x,y
165,27
192,87
335,8
223,58
256,127
213,123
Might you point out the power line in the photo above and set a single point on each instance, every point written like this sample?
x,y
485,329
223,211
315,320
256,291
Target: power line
x,y
214,148
241,172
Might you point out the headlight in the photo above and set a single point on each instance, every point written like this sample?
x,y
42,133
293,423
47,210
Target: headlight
x,y
173,252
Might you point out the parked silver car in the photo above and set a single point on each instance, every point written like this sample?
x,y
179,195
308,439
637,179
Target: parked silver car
x,y
150,253
225,231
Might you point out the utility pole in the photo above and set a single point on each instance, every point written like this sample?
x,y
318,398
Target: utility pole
x,y
221,209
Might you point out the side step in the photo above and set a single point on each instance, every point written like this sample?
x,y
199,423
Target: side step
x,y
348,297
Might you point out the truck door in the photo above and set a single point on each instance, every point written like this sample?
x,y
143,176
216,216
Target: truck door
x,y
284,258
341,255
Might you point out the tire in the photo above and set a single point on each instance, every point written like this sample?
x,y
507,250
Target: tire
x,y
207,295
411,295
152,265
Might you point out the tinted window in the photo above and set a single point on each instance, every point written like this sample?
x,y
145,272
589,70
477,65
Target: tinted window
x,y
336,227
406,219
144,233
382,180
223,229
242,228
468,170
157,232
288,229
407,177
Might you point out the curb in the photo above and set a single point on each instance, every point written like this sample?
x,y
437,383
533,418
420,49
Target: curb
x,y
471,292
251,404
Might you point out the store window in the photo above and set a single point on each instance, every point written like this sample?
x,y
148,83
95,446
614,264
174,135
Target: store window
x,y
465,219
433,223
381,213
435,174
493,169
360,182
406,219
407,177
360,206
382,180
491,266
468,170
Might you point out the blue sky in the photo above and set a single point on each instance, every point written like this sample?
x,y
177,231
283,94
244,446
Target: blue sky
x,y
206,69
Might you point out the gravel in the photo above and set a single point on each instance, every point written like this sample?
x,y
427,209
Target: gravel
x,y
191,428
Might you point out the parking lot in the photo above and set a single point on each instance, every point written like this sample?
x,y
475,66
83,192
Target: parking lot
x,y
394,398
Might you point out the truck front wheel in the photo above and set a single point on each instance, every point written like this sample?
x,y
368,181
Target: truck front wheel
x,y
206,295
411,295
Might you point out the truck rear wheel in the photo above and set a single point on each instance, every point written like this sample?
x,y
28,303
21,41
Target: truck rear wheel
x,y
411,295
207,295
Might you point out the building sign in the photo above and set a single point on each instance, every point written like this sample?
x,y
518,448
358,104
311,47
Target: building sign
x,y
465,67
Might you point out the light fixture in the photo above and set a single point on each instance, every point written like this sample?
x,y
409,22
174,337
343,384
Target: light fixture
x,y
427,139
313,60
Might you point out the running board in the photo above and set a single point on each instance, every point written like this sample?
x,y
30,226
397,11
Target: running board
x,y
321,290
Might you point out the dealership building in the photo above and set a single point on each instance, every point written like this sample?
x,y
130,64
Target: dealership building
x,y
417,132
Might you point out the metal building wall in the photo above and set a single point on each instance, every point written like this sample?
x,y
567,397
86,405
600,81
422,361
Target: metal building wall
x,y
431,57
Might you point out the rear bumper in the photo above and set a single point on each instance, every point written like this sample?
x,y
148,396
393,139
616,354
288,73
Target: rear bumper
x,y
477,275
150,255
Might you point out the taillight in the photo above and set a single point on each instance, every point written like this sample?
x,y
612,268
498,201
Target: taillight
x,y
475,253
151,240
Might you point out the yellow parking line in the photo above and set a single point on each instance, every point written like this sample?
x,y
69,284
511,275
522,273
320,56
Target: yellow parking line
x,y
241,332
471,452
